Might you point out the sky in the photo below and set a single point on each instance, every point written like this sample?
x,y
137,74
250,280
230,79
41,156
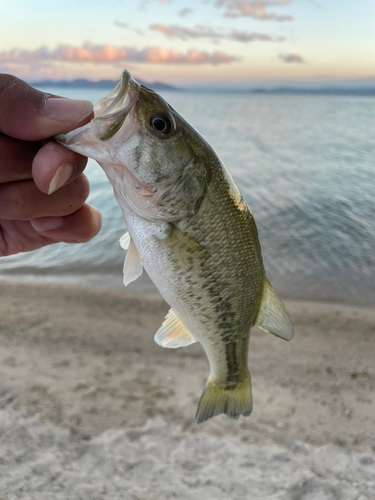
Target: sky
x,y
216,43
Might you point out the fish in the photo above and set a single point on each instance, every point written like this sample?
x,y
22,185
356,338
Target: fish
x,y
190,228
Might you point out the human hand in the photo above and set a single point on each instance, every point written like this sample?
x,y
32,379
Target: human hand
x,y
42,188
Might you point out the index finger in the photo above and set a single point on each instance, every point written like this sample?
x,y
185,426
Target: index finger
x,y
31,115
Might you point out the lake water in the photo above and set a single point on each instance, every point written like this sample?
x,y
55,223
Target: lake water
x,y
304,164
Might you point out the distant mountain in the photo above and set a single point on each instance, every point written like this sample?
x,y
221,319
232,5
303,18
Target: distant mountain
x,y
320,91
110,84
101,84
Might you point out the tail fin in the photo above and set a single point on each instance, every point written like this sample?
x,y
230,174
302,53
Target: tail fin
x,y
234,401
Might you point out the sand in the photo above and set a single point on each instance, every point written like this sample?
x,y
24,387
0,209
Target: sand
x,y
91,408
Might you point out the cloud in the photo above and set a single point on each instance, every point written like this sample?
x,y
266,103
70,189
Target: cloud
x,y
104,54
254,8
41,71
120,24
171,56
291,58
126,26
175,31
184,12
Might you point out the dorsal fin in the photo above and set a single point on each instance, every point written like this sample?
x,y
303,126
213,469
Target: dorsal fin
x,y
272,316
172,332
133,267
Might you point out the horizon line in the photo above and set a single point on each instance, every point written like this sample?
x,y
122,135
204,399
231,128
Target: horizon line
x,y
259,89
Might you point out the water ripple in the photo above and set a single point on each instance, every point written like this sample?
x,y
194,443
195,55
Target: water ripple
x,y
305,165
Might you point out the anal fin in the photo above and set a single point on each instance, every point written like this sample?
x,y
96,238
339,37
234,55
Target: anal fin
x,y
173,333
272,316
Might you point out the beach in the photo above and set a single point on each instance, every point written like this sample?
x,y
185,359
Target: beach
x,y
91,408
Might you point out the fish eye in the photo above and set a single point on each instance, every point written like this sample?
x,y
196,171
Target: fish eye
x,y
161,124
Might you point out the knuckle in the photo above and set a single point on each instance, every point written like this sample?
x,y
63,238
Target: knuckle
x,y
7,84
82,187
72,196
93,225
89,233
12,203
80,162
18,101
86,237
12,87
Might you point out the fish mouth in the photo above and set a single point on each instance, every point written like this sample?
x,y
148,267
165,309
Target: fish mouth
x,y
116,99
109,115
111,111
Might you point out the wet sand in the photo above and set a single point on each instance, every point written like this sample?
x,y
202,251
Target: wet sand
x,y
91,408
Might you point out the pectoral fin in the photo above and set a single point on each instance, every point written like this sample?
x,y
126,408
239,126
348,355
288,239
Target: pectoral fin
x,y
133,267
172,332
272,316
125,241
182,248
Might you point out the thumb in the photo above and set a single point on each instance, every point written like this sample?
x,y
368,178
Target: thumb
x,y
31,115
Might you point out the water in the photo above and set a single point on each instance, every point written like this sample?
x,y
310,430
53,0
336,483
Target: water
x,y
304,164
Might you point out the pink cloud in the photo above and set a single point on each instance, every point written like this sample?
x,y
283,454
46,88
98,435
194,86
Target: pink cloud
x,y
44,70
291,58
91,53
254,8
172,56
175,31
106,54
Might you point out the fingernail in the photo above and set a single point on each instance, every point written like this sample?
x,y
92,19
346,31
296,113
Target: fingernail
x,y
70,110
43,224
61,177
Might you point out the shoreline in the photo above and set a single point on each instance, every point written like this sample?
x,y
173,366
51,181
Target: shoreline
x,y
91,407
330,339
144,285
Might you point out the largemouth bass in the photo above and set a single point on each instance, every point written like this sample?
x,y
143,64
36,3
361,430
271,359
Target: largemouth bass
x,y
191,230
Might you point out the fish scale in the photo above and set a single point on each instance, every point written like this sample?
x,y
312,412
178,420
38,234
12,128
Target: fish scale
x,y
190,228
237,273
